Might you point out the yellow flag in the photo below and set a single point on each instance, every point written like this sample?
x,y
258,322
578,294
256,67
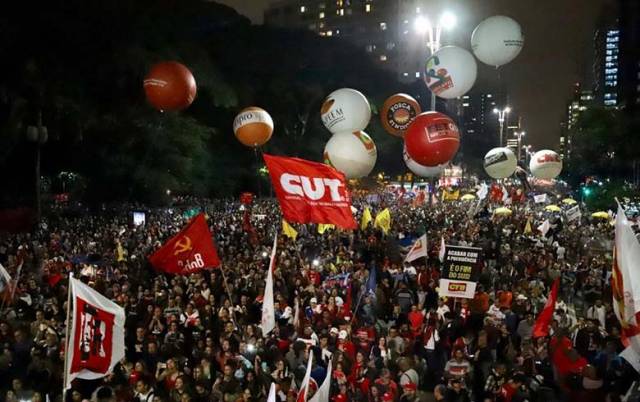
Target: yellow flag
x,y
383,220
527,227
450,195
119,252
366,219
288,230
323,227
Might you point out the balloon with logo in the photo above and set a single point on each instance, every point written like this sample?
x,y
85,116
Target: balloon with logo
x,y
450,72
420,170
253,126
352,153
397,113
497,40
345,110
545,164
500,163
170,86
432,139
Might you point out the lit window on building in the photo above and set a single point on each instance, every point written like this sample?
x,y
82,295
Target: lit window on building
x,y
489,95
383,26
340,12
337,32
383,57
321,25
369,48
465,97
405,74
610,102
303,9
339,3
418,76
390,45
465,105
329,33
367,8
321,15
610,71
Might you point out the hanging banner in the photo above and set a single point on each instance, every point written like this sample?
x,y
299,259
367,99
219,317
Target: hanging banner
x,y
540,198
460,272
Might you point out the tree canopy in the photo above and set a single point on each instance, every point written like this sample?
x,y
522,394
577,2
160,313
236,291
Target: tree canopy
x,y
81,65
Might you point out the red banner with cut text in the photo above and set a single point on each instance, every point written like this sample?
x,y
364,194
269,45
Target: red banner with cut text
x,y
310,192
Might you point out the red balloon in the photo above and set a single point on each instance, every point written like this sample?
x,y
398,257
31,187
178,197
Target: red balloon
x,y
432,139
170,86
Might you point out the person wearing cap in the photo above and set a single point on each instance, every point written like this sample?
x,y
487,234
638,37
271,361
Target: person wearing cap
x,y
345,345
409,392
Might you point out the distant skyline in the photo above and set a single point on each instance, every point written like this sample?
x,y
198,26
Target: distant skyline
x,y
558,43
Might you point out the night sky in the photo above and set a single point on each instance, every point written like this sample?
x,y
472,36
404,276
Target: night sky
x,y
557,53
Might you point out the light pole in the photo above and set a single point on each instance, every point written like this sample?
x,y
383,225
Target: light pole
x,y
519,135
502,115
424,27
38,135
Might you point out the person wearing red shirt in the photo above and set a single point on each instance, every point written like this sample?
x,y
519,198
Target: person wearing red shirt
x,y
390,387
416,318
346,346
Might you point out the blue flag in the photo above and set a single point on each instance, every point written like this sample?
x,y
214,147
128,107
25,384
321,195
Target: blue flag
x,y
371,282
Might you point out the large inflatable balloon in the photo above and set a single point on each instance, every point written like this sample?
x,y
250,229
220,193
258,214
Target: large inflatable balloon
x,y
545,164
170,86
345,110
497,40
451,72
500,163
432,139
352,153
397,113
420,170
253,126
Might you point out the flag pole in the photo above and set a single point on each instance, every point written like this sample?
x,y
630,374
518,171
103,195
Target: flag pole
x,y
226,288
66,339
15,284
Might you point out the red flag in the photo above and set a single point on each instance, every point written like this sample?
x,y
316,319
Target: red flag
x,y
191,250
541,327
96,335
310,192
246,198
564,358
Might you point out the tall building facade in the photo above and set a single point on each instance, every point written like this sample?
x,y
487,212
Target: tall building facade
x,y
384,29
581,100
607,65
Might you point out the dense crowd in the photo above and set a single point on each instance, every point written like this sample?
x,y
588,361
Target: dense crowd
x,y
197,338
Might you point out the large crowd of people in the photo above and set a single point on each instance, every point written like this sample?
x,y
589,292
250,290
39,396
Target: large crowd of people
x,y
197,337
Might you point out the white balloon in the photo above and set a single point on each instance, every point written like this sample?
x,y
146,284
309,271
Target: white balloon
x,y
500,163
421,170
545,164
451,72
352,153
345,110
497,40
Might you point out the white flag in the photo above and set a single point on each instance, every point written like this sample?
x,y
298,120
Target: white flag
x,y
443,248
96,334
626,281
632,356
322,395
5,278
505,195
304,387
483,191
573,213
272,393
268,322
544,227
419,249
540,198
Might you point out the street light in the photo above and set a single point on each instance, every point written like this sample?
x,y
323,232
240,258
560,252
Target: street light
x,y
423,26
502,114
519,134
38,135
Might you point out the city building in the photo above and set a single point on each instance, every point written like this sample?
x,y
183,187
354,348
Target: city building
x,y
581,100
384,29
607,65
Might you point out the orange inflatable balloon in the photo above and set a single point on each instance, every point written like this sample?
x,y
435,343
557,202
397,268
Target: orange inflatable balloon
x,y
253,126
170,86
398,112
